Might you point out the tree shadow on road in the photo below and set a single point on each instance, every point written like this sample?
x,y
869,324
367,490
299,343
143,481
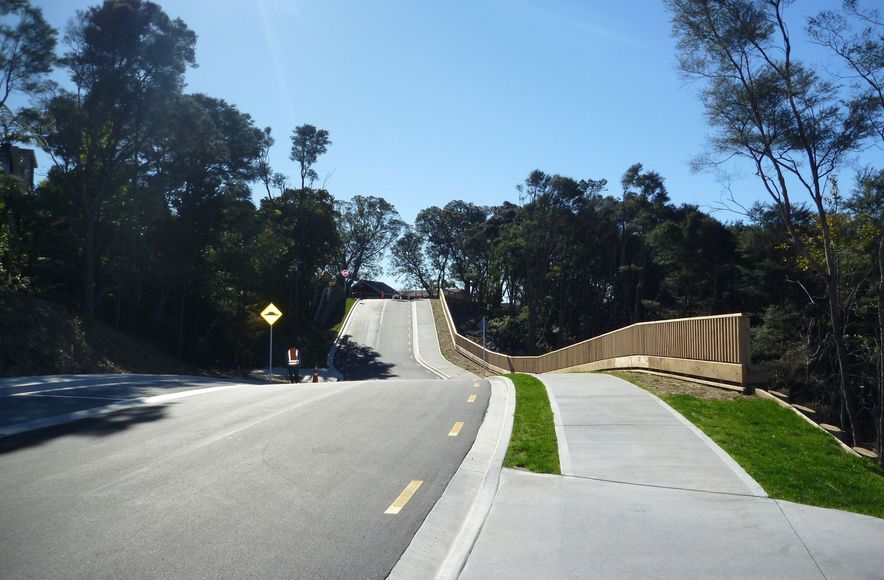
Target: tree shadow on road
x,y
360,362
110,424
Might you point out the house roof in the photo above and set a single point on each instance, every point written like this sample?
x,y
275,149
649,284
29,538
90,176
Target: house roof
x,y
374,286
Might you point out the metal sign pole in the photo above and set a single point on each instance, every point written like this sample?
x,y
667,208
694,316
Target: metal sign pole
x,y
484,350
270,315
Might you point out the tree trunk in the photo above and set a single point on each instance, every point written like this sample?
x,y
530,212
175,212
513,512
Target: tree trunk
x,y
181,309
881,352
89,260
847,395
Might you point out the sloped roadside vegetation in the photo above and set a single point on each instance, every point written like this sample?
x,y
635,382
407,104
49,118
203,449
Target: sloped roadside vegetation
x,y
38,337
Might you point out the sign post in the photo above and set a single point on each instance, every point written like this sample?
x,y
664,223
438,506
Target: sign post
x,y
271,314
484,350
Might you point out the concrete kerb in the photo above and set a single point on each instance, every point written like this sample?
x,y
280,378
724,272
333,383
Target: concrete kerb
x,y
564,453
330,359
446,538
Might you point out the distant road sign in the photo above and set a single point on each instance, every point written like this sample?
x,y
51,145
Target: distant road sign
x,y
345,273
271,314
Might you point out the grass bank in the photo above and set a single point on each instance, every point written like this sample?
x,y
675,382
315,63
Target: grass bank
x,y
533,445
789,458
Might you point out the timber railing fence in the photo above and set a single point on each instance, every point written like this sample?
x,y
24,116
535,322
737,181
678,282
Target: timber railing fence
x,y
709,348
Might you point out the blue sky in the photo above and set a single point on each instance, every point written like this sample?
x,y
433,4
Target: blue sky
x,y
432,101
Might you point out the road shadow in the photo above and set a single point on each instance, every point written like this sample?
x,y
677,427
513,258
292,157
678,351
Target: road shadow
x,y
103,426
359,362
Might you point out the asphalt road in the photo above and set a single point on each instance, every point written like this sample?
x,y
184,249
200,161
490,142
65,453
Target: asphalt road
x,y
244,481
27,399
378,343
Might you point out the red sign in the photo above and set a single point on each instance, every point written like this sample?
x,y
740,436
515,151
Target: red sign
x,y
345,273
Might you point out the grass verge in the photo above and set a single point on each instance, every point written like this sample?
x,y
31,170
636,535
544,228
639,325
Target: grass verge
x,y
789,458
533,445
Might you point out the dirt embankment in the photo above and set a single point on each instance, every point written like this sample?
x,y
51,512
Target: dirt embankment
x,y
38,337
447,345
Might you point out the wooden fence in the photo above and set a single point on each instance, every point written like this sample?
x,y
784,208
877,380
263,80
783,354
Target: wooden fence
x,y
712,348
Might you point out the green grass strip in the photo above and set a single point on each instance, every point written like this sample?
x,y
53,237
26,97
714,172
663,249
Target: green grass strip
x,y
533,445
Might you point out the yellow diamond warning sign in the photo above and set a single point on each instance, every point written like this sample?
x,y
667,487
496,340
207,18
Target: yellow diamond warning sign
x,y
271,314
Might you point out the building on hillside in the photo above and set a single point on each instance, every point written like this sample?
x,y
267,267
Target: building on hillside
x,y
19,162
371,289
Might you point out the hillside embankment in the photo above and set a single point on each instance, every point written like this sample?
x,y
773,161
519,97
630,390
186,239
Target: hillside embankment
x,y
42,338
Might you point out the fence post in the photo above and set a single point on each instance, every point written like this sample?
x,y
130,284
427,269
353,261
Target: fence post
x,y
745,354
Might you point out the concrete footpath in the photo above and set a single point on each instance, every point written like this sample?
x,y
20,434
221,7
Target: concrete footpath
x,y
644,494
426,345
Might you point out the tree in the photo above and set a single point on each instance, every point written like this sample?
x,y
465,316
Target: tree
x,y
862,51
642,208
867,206
269,178
302,229
410,261
446,231
308,143
204,165
27,51
793,126
368,226
127,60
696,252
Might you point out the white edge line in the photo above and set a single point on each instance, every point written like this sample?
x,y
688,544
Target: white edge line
x,y
754,487
416,348
565,465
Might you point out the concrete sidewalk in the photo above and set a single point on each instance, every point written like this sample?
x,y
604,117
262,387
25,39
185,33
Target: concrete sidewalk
x,y
649,496
427,343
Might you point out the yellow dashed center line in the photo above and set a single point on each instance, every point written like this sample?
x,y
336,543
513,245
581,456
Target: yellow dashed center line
x,y
403,498
472,399
456,429
476,385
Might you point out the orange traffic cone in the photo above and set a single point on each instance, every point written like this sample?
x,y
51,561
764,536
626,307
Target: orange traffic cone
x,y
315,374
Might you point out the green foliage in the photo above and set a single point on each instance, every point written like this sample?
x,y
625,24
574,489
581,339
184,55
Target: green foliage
x,y
15,237
368,226
146,221
533,444
308,143
27,50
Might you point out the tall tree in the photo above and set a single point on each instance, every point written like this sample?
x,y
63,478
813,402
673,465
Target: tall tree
x,y
302,227
861,50
27,50
308,143
368,226
127,60
409,260
793,126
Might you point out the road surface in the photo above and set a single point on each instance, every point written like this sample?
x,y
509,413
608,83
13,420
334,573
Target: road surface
x,y
378,343
246,480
